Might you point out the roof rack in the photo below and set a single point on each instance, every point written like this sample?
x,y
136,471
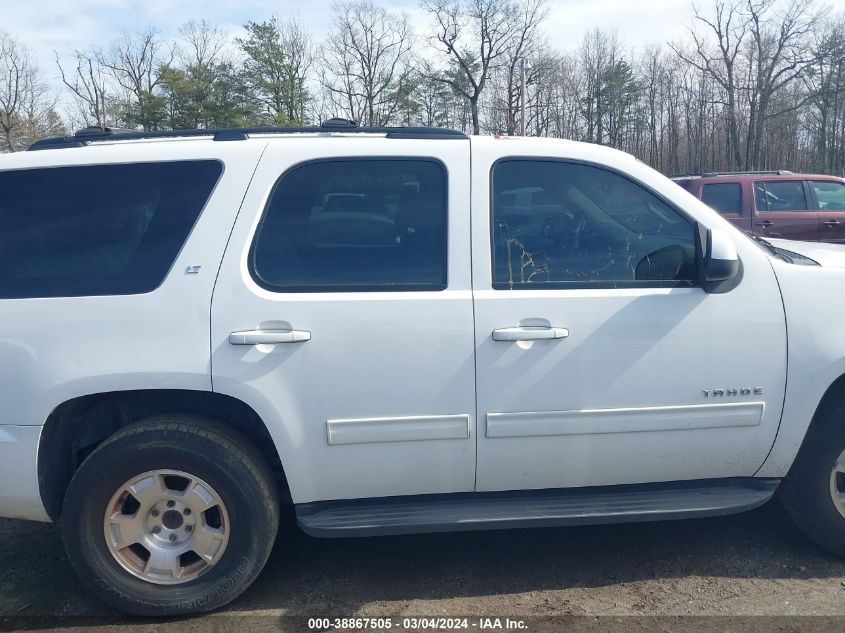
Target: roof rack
x,y
759,172
710,174
91,134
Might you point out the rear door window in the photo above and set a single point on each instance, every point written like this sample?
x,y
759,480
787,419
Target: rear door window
x,y
724,197
829,194
785,195
354,225
97,229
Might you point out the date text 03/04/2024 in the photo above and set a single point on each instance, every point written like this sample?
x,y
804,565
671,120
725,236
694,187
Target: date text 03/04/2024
x,y
417,623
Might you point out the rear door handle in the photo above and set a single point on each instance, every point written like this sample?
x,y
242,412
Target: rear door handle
x,y
529,333
830,223
269,337
765,223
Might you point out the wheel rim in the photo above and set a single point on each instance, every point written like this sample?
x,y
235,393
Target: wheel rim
x,y
166,527
837,483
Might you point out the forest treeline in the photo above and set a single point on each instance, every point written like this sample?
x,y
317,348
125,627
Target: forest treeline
x,y
753,84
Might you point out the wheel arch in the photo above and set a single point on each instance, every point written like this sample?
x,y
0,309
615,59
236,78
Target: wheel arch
x,y
77,426
801,417
833,396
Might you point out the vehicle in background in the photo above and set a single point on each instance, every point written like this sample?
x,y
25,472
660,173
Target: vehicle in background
x,y
775,204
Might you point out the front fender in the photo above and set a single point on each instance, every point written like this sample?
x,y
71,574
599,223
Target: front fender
x,y
814,304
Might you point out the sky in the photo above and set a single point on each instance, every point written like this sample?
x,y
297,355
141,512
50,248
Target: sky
x,y
62,25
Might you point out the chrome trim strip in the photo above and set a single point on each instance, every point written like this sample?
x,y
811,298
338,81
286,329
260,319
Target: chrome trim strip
x,y
625,420
399,429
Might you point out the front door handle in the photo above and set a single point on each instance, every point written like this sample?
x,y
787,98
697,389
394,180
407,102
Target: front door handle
x,y
269,337
529,333
765,223
831,223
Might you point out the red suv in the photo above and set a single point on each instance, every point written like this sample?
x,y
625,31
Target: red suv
x,y
776,204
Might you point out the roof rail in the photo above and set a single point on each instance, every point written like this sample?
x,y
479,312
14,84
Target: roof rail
x,y
710,174
759,172
345,126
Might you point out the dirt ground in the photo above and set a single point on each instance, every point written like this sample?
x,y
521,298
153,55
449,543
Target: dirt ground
x,y
756,564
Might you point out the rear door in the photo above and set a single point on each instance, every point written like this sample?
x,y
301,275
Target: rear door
x,y
343,315
829,199
783,209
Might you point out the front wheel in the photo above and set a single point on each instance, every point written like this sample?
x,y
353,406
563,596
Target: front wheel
x,y
173,515
813,492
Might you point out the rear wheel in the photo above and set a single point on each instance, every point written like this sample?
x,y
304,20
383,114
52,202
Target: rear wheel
x,y
173,515
813,492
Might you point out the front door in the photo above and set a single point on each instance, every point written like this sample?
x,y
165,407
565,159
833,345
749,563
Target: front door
x,y
600,360
343,315
783,210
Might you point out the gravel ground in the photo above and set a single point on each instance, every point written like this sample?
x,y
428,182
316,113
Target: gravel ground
x,y
755,564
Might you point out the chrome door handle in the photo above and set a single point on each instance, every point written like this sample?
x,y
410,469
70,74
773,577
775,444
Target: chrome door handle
x,y
269,337
765,224
830,223
529,333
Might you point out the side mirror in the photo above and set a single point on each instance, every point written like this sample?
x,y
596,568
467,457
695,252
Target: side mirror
x,y
719,263
721,260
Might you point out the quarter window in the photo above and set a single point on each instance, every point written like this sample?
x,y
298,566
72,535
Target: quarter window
x,y
99,229
830,194
786,195
724,197
559,224
354,225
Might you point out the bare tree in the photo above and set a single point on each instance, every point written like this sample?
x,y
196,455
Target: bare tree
x,y
823,81
27,109
526,43
596,54
87,83
15,77
202,44
475,35
780,53
137,61
755,83
730,28
200,52
432,95
298,50
366,61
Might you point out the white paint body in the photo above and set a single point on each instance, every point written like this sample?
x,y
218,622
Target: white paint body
x,y
407,393
626,350
56,349
383,357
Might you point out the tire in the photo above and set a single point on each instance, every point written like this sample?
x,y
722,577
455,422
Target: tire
x,y
806,491
220,467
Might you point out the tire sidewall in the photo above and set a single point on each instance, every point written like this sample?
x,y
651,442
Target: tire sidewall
x,y
251,522
806,490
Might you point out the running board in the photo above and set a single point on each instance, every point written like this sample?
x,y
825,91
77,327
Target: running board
x,y
533,508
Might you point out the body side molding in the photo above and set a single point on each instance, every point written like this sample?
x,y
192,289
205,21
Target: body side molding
x,y
630,420
399,429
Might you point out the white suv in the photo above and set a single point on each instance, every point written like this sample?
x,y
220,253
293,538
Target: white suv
x,y
394,330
